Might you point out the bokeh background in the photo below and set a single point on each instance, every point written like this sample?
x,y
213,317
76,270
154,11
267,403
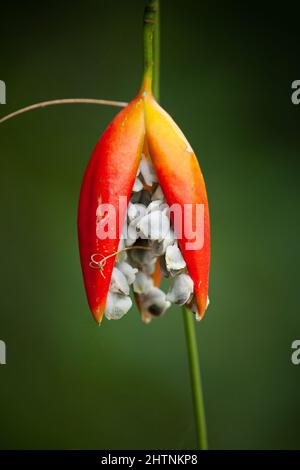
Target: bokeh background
x,y
226,79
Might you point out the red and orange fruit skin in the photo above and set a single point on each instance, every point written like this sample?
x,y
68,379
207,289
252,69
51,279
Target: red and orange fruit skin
x,y
111,172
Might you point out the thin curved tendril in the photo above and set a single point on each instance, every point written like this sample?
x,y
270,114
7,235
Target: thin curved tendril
x,y
101,264
43,104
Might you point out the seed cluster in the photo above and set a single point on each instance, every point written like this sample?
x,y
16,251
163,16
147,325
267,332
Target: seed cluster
x,y
149,234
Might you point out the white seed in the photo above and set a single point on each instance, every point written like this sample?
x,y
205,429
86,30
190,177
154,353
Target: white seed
x,y
154,225
158,194
117,306
174,258
181,290
128,271
138,186
135,211
160,247
165,210
142,283
147,171
154,301
118,283
170,238
154,206
132,233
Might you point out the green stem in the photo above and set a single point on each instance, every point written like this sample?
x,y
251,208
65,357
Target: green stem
x,y
156,47
151,36
191,341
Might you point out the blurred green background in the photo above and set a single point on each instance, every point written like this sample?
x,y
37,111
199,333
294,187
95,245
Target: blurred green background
x,y
226,79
